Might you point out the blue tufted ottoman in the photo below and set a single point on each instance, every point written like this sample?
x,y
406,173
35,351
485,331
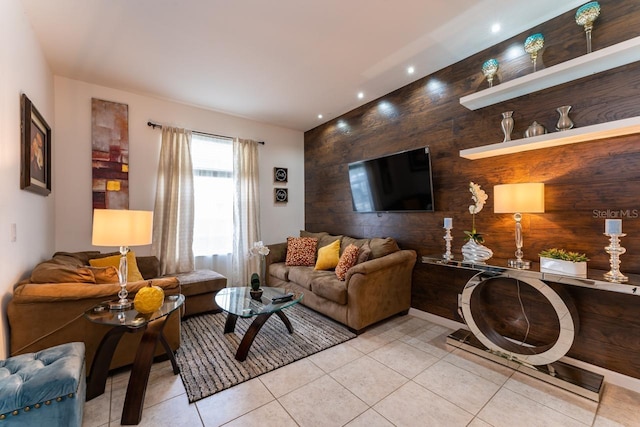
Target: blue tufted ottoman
x,y
46,388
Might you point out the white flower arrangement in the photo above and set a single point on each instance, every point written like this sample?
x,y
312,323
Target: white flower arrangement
x,y
479,198
259,249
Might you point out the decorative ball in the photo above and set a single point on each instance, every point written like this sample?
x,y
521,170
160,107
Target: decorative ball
x,y
149,299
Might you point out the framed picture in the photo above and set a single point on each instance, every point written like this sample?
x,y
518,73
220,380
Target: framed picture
x,y
35,167
280,174
281,195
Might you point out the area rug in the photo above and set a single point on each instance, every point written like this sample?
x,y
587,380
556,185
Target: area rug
x,y
206,356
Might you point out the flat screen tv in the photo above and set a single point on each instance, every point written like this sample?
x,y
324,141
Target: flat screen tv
x,y
397,182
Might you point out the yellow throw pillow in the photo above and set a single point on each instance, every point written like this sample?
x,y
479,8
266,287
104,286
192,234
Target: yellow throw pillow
x,y
133,274
328,256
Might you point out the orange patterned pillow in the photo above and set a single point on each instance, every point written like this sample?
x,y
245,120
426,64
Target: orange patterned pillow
x,y
301,251
347,260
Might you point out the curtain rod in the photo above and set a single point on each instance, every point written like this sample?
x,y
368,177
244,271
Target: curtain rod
x,y
158,125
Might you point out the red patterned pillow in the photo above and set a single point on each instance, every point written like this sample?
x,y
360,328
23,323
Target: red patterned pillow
x,y
347,260
301,251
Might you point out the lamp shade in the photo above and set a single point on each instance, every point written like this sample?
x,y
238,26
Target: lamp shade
x,y
115,227
518,198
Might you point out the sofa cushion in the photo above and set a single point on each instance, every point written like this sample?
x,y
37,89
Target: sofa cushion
x,y
303,276
304,233
364,253
301,251
347,260
329,287
200,282
78,259
133,274
328,256
53,271
381,247
346,241
328,239
279,270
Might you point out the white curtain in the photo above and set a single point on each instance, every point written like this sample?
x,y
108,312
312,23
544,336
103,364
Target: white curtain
x,y
174,208
246,210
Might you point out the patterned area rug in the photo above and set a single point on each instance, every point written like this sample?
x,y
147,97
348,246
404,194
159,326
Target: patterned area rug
x,y
207,356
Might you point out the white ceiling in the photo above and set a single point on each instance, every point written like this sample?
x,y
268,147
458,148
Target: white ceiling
x,y
276,61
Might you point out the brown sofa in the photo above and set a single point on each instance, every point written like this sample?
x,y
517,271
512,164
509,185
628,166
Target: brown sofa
x,y
373,290
47,309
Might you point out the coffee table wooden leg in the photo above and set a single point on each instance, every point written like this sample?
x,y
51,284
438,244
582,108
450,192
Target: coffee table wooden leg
x,y
230,324
285,320
100,367
134,400
247,340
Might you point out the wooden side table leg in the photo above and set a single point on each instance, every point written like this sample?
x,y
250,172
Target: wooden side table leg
x,y
99,370
172,357
132,411
247,340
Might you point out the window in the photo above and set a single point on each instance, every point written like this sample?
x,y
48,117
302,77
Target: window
x,y
213,189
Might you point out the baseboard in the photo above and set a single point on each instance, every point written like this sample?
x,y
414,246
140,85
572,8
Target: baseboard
x,y
610,377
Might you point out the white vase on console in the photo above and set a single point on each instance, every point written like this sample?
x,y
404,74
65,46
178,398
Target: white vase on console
x,y
473,251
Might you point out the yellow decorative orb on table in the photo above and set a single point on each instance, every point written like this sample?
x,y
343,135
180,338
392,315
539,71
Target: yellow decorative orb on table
x,y
149,299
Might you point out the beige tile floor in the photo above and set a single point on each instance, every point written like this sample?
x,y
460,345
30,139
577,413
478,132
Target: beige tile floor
x,y
400,373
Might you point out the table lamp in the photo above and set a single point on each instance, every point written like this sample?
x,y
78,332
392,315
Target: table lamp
x,y
123,228
518,199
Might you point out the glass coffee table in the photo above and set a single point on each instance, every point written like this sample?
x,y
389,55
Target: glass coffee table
x,y
237,302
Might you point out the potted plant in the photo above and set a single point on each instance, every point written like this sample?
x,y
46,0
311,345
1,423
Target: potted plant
x,y
563,262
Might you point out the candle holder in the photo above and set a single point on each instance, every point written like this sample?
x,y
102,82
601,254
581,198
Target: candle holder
x,y
447,256
615,250
532,45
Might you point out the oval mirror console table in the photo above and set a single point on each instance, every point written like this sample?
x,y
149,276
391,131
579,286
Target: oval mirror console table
x,y
529,320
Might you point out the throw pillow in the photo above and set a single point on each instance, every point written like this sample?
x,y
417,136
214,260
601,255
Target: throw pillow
x,y
105,274
301,251
347,260
133,274
328,256
364,253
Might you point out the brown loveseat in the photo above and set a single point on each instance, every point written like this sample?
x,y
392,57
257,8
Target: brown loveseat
x,y
373,290
47,309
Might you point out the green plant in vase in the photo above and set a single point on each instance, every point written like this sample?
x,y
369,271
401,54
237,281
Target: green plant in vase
x,y
255,282
563,255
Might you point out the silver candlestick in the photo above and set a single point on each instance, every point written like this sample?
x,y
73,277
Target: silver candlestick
x,y
615,250
447,256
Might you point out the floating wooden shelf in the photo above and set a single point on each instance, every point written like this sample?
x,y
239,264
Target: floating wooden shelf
x,y
608,58
572,136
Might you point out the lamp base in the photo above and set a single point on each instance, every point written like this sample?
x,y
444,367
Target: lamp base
x,y
120,305
520,264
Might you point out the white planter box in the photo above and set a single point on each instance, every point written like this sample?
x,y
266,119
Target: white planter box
x,y
558,266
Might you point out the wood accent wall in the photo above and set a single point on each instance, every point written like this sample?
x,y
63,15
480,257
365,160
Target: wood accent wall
x,y
600,175
580,179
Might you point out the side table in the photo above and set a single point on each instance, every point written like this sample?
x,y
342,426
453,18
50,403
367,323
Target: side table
x,y
130,321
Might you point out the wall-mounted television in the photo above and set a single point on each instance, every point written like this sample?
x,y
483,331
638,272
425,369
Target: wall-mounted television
x,y
397,182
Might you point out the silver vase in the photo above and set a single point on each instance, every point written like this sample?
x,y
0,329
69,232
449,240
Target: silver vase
x,y
564,122
473,251
507,125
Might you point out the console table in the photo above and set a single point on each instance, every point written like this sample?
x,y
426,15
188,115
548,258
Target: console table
x,y
588,319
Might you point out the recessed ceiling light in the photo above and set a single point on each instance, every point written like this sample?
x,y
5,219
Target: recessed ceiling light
x,y
319,116
411,70
495,28
360,95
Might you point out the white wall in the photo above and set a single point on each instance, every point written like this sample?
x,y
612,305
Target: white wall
x,y
72,181
23,69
